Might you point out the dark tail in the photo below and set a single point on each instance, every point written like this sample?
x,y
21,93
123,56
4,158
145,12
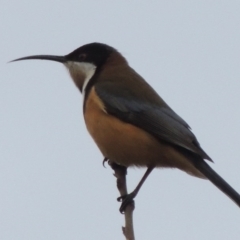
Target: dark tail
x,y
219,182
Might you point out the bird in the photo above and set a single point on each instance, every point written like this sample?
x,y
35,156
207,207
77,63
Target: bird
x,y
128,120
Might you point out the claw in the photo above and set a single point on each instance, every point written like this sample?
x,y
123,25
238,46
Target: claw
x,y
104,161
120,199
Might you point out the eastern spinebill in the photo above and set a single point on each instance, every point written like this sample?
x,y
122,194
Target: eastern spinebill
x,y
130,123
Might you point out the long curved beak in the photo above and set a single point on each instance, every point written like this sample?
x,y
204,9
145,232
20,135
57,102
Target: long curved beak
x,y
61,59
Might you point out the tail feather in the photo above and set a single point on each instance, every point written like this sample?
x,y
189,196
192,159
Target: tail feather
x,y
218,181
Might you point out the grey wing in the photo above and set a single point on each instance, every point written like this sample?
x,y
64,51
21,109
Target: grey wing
x,y
155,118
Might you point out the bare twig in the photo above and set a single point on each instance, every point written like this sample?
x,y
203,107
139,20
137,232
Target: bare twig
x,y
120,173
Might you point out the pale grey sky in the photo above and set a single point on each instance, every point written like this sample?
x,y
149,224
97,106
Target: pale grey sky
x,y
52,183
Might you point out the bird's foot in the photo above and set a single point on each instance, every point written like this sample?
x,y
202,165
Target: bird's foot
x,y
126,200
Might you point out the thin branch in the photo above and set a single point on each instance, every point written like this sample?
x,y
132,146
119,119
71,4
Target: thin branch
x,y
120,173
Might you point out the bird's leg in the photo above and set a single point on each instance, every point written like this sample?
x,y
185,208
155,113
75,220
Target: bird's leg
x,y
127,199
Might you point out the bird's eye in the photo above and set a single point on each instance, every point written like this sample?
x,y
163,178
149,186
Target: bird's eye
x,y
82,57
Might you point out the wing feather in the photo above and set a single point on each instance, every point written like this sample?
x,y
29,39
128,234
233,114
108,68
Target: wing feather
x,y
155,117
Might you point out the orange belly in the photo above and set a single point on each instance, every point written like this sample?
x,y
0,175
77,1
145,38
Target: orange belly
x,y
128,145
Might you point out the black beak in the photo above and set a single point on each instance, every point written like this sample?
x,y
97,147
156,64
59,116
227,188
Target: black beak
x,y
61,59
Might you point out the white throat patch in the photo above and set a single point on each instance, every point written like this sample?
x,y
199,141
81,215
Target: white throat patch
x,y
81,68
